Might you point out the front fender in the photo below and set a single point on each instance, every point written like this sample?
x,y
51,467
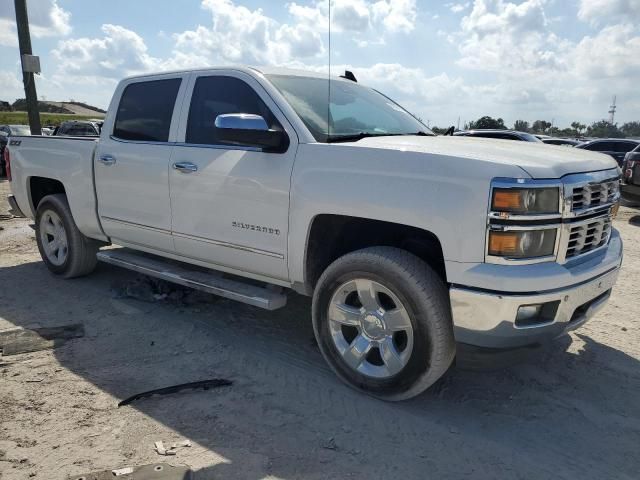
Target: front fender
x,y
445,195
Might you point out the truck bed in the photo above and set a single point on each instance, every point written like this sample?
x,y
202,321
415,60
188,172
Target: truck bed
x,y
66,159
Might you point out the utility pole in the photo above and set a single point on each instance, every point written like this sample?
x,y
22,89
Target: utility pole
x,y
26,58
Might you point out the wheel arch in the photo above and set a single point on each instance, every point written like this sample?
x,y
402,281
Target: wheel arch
x,y
331,236
40,187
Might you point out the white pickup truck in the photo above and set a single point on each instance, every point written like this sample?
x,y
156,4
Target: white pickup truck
x,y
246,183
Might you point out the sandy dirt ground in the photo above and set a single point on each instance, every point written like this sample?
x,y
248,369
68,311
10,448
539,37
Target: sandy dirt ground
x,y
571,411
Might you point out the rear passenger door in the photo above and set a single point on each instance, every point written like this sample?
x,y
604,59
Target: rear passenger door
x,y
132,162
231,209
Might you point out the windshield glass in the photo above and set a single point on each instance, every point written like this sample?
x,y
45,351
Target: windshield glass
x,y
20,130
529,138
354,110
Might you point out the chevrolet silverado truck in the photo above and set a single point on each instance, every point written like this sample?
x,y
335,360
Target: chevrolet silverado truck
x,y
251,183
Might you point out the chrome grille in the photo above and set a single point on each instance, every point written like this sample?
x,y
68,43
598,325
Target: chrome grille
x,y
595,194
588,236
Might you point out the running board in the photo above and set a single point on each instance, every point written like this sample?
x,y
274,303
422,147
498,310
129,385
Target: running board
x,y
184,274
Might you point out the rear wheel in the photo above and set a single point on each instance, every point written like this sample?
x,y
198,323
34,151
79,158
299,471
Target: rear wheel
x,y
383,323
63,248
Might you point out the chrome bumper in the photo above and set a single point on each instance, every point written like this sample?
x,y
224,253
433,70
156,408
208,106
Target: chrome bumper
x,y
488,319
15,209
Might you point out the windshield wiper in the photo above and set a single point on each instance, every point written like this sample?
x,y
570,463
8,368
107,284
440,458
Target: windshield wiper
x,y
358,136
419,134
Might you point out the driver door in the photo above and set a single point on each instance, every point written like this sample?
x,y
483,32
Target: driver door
x,y
230,203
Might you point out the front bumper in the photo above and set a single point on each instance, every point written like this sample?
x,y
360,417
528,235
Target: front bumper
x,y
488,319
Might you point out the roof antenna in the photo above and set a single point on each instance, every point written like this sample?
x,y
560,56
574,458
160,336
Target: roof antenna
x,y
329,78
349,76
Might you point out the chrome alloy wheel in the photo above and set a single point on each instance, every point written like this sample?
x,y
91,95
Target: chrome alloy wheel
x,y
54,238
370,328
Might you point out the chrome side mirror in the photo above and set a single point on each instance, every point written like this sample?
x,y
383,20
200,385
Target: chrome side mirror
x,y
241,121
249,130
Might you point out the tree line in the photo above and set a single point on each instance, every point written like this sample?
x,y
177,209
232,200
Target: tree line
x,y
602,128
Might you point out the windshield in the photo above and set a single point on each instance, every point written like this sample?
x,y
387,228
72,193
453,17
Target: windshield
x,y
529,138
354,110
20,130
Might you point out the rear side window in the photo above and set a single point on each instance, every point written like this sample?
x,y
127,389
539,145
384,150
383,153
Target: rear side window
x,y
600,147
79,131
624,147
146,109
213,96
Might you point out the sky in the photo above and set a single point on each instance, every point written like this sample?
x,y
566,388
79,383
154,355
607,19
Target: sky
x,y
556,60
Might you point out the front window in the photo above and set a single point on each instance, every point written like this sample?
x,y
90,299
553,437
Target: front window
x,y
527,137
353,111
219,95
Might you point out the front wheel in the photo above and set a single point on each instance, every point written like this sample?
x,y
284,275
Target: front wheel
x,y
63,248
382,319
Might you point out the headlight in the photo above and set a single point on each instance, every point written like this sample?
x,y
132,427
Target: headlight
x,y
526,200
522,243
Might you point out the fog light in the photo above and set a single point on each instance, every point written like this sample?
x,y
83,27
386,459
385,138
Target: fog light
x,y
528,312
536,315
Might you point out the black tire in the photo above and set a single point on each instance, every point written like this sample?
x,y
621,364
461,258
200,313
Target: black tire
x,y
424,296
81,257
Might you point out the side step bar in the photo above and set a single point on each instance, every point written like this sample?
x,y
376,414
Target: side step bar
x,y
184,274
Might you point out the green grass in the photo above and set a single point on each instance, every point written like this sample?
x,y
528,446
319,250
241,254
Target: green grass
x,y
20,118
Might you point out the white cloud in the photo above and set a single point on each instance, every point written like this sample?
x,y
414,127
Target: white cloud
x,y
514,41
11,86
359,16
119,52
403,82
351,15
457,7
236,34
498,35
535,70
607,11
8,34
396,15
613,52
241,35
46,19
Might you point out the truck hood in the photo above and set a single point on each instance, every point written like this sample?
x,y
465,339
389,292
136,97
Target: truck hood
x,y
537,159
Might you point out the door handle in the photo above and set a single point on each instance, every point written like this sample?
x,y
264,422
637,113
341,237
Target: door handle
x,y
185,167
107,159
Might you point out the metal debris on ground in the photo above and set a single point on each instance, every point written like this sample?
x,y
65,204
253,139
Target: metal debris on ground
x,y
149,289
330,444
157,471
122,471
26,340
173,449
202,385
